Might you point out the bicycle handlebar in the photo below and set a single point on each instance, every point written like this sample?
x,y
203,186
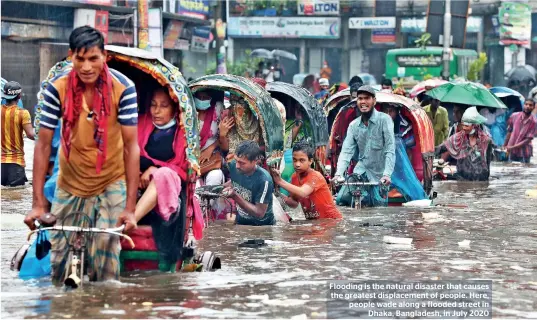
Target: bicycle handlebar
x,y
357,183
114,231
343,181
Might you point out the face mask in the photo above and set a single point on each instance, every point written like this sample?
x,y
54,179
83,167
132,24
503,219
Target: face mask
x,y
167,125
202,104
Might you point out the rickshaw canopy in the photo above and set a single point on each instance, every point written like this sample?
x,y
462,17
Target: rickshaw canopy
x,y
169,76
161,71
259,101
309,104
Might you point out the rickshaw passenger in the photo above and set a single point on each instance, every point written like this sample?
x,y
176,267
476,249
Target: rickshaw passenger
x,y
373,134
295,131
163,163
404,178
251,187
241,125
209,105
496,123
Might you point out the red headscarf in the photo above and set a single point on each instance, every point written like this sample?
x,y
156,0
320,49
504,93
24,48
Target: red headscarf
x,y
101,110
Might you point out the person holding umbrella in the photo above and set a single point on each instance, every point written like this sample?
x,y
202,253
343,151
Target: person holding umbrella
x,y
520,132
471,146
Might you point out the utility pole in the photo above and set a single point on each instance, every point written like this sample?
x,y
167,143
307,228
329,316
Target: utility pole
x,y
220,49
143,25
447,39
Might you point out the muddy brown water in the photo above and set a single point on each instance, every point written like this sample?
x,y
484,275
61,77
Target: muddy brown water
x,y
288,277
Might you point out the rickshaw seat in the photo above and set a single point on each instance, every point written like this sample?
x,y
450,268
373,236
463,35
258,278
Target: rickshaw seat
x,y
146,255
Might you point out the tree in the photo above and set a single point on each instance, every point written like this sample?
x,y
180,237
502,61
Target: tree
x,y
474,71
423,41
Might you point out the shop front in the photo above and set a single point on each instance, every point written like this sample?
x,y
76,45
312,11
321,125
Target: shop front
x,y
312,39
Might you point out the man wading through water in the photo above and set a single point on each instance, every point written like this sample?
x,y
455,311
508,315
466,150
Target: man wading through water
x,y
372,135
14,121
99,153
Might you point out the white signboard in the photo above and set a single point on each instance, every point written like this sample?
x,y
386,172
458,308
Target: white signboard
x,y
284,27
417,25
200,44
84,17
318,7
155,31
372,23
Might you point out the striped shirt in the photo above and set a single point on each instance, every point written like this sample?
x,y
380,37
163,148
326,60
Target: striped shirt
x,y
13,120
128,107
78,175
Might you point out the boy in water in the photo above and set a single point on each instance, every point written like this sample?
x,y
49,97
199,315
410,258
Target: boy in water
x,y
308,187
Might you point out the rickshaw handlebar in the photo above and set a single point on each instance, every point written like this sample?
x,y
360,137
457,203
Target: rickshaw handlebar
x,y
114,231
340,180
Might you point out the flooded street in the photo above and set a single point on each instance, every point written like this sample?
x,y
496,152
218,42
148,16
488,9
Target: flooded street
x,y
287,278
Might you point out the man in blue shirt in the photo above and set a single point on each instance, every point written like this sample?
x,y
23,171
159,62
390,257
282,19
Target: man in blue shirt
x,y
372,134
251,187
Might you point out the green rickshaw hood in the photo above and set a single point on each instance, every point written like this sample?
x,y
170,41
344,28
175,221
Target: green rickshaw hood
x,y
309,104
260,103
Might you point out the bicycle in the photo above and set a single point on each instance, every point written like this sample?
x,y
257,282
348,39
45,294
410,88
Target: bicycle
x,y
78,244
357,187
206,195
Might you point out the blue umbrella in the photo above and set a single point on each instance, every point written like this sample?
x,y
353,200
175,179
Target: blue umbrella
x,y
504,92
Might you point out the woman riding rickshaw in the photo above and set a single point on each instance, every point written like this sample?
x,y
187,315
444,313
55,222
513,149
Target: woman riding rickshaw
x,y
412,127
305,121
169,147
252,115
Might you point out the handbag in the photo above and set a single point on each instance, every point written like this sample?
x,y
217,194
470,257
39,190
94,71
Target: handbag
x,y
214,162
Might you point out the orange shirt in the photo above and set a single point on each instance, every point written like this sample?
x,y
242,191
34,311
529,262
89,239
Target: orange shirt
x,y
319,204
13,120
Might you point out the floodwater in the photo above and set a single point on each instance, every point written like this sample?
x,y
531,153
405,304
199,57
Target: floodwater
x,y
287,278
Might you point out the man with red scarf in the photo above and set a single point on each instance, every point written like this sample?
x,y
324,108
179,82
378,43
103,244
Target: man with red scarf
x,y
99,154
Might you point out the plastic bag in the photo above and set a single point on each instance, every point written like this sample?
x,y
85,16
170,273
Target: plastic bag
x,y
277,210
32,267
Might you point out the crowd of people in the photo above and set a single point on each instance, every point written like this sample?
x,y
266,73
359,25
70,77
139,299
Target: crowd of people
x,y
106,160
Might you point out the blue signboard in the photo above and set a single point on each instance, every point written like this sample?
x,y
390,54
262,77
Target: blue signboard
x,y
194,8
202,32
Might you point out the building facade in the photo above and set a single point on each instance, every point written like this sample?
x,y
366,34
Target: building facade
x,y
35,34
342,33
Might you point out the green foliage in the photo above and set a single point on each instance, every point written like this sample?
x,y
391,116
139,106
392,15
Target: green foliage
x,y
423,41
239,68
474,71
187,68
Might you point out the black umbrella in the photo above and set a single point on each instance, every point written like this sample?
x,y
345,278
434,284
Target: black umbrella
x,y
521,73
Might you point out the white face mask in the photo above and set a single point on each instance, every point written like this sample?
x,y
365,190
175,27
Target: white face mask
x,y
167,125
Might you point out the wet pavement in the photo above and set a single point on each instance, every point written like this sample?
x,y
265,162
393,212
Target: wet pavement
x,y
287,278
